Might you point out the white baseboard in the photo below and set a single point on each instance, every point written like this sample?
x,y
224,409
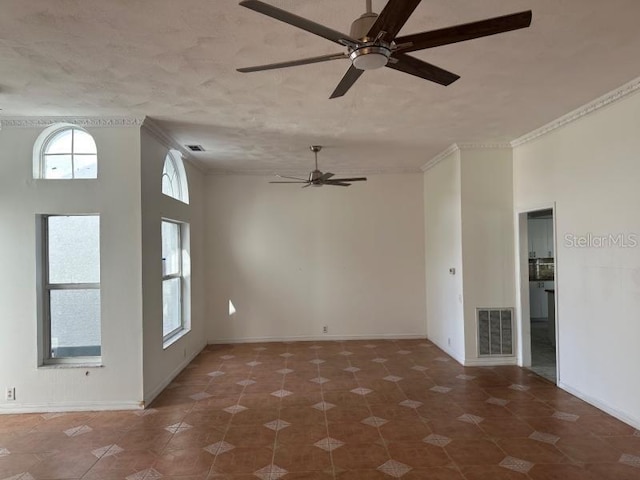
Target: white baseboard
x,y
316,338
70,407
160,387
623,417
448,351
490,362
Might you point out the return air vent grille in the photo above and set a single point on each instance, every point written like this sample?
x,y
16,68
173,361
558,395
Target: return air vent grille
x,y
495,331
195,148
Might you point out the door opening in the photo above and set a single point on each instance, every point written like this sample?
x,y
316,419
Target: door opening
x,y
542,293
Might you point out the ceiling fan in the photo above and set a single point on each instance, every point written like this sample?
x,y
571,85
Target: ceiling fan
x,y
372,42
318,179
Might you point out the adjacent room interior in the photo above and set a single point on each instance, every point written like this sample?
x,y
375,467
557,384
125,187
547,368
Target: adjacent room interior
x,y
218,267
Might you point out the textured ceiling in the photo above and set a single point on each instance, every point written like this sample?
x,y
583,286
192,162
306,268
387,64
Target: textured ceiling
x,y
175,61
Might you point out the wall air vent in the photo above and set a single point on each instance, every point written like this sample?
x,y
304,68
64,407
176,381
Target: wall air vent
x,y
495,331
195,148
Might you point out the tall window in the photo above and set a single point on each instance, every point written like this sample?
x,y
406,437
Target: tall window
x,y
174,178
172,279
65,152
71,287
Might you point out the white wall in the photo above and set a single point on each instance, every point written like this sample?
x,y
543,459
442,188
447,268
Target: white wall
x,y
115,195
591,169
162,364
443,250
487,237
293,260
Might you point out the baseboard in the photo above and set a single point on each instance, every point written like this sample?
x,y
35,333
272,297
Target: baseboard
x,y
490,362
623,417
317,338
70,407
448,351
165,383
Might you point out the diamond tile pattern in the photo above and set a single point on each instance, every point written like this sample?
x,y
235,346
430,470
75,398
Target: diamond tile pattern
x,y
329,444
277,425
270,472
218,448
394,469
374,421
75,431
544,437
437,440
263,411
516,464
631,460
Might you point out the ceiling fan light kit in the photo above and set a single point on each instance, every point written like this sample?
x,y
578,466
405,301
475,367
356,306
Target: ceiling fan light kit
x,y
373,42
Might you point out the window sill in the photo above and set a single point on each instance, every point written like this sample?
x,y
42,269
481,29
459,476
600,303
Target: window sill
x,y
54,366
174,338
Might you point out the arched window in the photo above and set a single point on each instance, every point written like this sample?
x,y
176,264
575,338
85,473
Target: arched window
x,y
174,177
65,151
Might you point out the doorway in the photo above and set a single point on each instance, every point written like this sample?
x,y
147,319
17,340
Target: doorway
x,y
541,276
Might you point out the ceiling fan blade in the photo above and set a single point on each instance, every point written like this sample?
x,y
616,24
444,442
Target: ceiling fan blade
x,y
339,184
467,31
296,21
308,185
356,179
347,82
392,18
290,182
413,66
325,176
294,63
292,178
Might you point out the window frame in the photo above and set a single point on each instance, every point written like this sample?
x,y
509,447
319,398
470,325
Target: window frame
x,y
176,332
45,296
43,142
180,181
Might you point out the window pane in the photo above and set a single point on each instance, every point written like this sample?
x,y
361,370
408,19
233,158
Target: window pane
x,y
74,249
60,142
171,305
57,166
170,248
167,186
83,143
170,179
75,323
85,166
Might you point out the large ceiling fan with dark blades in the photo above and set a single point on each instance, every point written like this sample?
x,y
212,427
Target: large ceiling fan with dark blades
x,y
373,42
318,178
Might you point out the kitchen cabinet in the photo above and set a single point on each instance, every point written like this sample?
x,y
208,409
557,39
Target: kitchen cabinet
x,y
538,302
540,237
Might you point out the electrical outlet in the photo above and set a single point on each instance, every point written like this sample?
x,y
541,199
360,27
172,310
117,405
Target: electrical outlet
x,y
11,394
325,329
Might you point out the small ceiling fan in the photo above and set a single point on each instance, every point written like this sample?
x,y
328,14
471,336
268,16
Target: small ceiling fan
x,y
318,179
372,42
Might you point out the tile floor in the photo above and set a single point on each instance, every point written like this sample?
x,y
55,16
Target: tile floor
x,y
543,353
333,410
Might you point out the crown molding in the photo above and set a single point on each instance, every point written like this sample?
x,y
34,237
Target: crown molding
x,y
450,150
591,107
305,173
483,146
168,141
88,122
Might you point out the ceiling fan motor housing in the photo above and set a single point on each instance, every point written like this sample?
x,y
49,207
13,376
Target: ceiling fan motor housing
x,y
371,54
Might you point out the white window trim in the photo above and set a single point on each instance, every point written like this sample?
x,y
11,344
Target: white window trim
x,y
185,295
175,158
45,358
43,141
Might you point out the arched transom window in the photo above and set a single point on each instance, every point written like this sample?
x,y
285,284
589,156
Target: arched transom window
x,y
65,152
174,178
